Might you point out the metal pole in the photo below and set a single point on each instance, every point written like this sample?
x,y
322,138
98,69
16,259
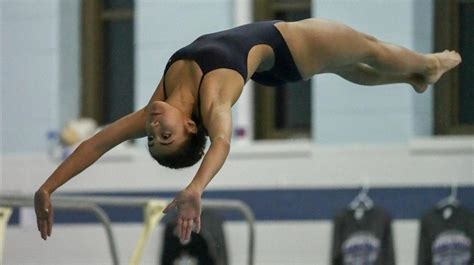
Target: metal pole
x,y
92,202
24,201
248,215
5,213
235,205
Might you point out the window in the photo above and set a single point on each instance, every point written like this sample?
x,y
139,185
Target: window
x,y
454,93
283,112
107,59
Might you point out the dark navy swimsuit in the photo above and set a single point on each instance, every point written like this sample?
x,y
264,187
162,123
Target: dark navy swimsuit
x,y
230,48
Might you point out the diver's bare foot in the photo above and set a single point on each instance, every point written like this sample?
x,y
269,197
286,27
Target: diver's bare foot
x,y
441,62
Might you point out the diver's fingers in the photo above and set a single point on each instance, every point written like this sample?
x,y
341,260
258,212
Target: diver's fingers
x,y
189,229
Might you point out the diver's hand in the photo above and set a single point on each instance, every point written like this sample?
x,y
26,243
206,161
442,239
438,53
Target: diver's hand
x,y
44,213
188,204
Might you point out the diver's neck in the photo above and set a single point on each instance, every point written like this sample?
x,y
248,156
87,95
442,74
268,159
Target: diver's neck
x,y
184,92
182,99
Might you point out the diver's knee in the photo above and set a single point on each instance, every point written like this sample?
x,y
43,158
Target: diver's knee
x,y
369,38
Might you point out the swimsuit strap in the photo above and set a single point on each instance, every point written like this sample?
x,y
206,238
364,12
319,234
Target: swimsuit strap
x,y
199,106
199,98
164,85
168,65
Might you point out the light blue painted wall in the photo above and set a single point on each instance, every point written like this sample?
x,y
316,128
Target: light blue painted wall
x,y
423,113
69,61
347,113
30,62
164,26
40,78
40,65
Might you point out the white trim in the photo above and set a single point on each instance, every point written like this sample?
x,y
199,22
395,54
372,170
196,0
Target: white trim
x,y
271,149
305,148
445,145
243,109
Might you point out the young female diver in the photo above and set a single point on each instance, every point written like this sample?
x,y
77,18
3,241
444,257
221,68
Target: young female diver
x,y
203,80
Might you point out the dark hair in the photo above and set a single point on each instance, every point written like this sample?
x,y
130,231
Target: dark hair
x,y
188,154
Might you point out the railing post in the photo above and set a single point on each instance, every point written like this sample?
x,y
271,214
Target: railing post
x,y
152,213
5,214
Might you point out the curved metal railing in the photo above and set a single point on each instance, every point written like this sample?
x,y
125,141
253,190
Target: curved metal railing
x,y
93,204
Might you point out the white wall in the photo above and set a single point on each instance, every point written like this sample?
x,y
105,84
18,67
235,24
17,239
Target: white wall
x,y
345,112
261,166
307,244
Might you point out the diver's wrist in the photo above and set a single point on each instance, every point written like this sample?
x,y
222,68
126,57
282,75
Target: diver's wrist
x,y
45,188
195,187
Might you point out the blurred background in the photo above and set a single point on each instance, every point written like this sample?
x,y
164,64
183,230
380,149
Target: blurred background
x,y
301,153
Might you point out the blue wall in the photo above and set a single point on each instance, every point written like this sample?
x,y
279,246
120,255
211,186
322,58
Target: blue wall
x,y
291,204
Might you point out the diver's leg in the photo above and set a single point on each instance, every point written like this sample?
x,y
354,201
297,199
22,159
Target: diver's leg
x,y
331,45
364,74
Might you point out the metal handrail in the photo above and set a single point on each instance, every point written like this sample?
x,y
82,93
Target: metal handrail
x,y
248,215
5,214
27,201
91,203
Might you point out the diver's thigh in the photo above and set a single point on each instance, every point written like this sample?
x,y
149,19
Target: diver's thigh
x,y
319,45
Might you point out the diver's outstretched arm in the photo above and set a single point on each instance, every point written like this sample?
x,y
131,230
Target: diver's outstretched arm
x,y
129,127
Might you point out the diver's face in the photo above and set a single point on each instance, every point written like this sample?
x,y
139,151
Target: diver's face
x,y
166,128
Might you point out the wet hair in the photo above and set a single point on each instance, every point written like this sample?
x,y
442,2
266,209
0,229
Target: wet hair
x,y
189,153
